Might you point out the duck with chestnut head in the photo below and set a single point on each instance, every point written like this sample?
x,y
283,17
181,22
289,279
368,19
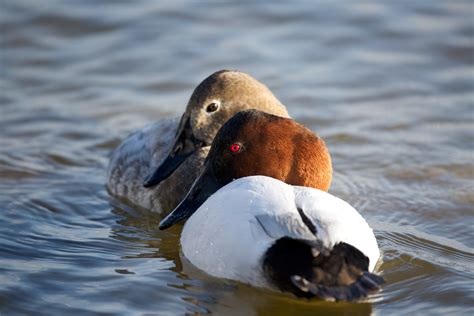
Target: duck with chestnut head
x,y
259,214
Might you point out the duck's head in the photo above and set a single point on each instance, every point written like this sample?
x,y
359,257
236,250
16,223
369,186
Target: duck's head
x,y
257,143
213,102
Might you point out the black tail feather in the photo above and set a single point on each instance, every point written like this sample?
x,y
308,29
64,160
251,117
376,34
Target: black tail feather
x,y
307,270
366,284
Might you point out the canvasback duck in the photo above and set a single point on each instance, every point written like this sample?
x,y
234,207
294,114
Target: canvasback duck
x,y
247,224
169,155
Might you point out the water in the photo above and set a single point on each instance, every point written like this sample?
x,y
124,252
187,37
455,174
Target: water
x,y
389,85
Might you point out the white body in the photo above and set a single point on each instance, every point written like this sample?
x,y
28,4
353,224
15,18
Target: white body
x,y
225,239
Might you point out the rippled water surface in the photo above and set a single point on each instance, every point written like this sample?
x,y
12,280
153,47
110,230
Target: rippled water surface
x,y
388,84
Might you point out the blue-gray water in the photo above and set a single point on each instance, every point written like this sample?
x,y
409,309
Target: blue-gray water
x,y
388,84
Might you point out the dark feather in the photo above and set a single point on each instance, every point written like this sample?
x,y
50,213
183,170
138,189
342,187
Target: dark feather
x,y
307,221
309,270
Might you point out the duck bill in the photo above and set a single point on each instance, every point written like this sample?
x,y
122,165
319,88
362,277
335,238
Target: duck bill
x,y
184,145
204,186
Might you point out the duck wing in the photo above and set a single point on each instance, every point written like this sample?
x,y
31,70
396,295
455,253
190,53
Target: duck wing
x,y
133,159
285,225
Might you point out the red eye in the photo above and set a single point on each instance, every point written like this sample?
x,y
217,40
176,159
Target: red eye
x,y
234,148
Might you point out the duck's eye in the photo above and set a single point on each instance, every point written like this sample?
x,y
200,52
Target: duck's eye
x,y
212,107
235,148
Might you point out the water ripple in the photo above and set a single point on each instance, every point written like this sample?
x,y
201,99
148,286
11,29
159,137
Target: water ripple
x,y
388,85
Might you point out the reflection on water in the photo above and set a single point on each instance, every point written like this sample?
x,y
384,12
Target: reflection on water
x,y
389,86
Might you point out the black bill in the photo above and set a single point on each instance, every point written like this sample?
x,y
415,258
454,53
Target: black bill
x,y
204,186
185,144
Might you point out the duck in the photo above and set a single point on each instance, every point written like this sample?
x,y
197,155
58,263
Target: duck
x,y
257,214
154,167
